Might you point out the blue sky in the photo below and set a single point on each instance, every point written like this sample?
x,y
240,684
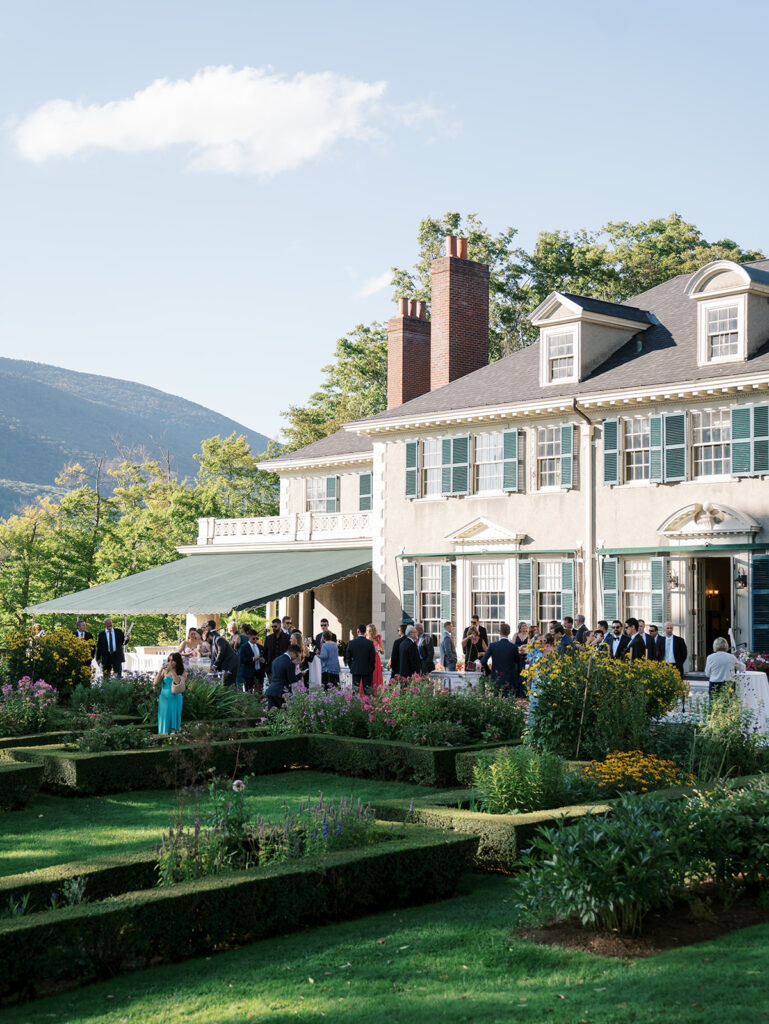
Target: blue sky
x,y
215,235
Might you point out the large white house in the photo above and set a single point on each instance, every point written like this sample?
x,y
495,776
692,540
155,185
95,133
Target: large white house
x,y
619,466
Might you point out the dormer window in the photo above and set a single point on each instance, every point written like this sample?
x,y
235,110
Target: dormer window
x,y
723,336
560,355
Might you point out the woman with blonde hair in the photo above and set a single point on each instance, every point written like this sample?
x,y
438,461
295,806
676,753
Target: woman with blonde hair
x,y
377,681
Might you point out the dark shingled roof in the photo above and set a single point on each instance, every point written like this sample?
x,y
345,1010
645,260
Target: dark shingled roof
x,y
664,353
340,443
620,309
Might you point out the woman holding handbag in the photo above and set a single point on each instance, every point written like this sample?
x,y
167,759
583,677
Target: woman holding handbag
x,y
173,682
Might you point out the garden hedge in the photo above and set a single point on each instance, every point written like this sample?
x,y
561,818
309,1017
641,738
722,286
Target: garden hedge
x,y
165,924
18,784
36,739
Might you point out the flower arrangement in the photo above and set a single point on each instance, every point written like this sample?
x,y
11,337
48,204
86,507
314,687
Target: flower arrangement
x,y
26,707
631,770
754,662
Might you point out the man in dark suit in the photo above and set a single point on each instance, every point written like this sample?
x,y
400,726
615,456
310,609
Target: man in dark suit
x,y
475,623
246,663
409,664
319,637
81,632
211,635
223,657
283,676
635,644
673,649
653,652
425,649
564,641
581,631
109,649
505,664
360,657
617,641
275,644
394,663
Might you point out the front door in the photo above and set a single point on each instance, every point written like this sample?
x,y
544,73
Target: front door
x,y
717,574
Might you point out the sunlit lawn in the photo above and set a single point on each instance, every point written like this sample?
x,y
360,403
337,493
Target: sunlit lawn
x,y
446,962
56,830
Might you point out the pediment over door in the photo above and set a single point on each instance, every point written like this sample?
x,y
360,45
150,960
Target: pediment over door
x,y
709,522
482,534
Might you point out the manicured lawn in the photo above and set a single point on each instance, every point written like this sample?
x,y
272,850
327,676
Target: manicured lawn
x,y
450,961
56,830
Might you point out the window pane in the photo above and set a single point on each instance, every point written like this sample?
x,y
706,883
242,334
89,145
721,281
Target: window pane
x,y
636,448
637,590
316,494
488,596
489,454
430,594
711,442
548,456
431,466
723,334
560,355
548,593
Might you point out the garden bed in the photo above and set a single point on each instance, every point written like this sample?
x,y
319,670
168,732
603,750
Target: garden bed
x,y
18,784
80,943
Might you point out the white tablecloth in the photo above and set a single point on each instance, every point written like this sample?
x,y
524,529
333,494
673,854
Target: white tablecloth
x,y
753,690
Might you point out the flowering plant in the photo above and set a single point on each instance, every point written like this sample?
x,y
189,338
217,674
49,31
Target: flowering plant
x,y
59,656
631,770
26,707
754,662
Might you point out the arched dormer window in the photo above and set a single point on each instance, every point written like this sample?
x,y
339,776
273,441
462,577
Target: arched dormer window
x,y
732,311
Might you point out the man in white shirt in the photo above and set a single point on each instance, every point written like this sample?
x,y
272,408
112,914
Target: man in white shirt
x,y
109,649
674,650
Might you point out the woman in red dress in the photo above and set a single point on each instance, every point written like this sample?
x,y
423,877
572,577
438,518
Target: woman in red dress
x,y
371,632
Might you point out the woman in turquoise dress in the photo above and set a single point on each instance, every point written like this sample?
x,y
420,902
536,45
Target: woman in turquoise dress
x,y
171,677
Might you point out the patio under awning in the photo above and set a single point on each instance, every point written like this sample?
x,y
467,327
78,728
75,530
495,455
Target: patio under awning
x,y
214,582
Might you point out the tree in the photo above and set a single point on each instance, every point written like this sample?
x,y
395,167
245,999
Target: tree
x,y
355,387
230,481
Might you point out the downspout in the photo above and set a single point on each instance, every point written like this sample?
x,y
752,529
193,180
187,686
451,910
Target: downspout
x,y
587,431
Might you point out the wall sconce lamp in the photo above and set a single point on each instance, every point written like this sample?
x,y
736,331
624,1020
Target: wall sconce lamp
x,y
741,580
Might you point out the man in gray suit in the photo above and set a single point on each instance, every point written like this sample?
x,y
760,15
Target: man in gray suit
x,y
448,650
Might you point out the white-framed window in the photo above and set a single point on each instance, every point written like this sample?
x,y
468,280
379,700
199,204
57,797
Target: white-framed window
x,y
487,596
711,442
722,326
548,592
548,456
637,589
561,354
722,330
430,597
316,494
489,455
636,448
431,466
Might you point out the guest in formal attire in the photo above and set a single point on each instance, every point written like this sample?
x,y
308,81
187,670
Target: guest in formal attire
x,y
448,650
192,645
172,679
224,658
376,639
673,648
635,645
246,676
564,641
581,630
110,651
256,647
426,649
329,661
394,664
618,641
303,665
474,648
283,677
409,663
521,637
211,635
361,660
653,652
505,664
475,623
324,628
233,635
275,644
568,626
81,632
603,625
720,666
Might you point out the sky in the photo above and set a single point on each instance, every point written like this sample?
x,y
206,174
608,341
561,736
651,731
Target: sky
x,y
205,196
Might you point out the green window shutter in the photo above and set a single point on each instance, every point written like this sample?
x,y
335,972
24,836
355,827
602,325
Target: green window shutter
x,y
446,592
761,438
409,600
655,450
742,440
760,603
460,465
610,583
675,446
510,460
567,587
658,591
364,492
332,493
611,451
567,455
446,466
525,589
412,469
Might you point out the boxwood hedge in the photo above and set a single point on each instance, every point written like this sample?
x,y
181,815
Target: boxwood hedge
x,y
18,784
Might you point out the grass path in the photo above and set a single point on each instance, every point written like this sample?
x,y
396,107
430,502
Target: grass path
x,y
448,962
56,830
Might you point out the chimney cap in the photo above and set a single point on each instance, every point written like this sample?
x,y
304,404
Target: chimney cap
x,y
456,245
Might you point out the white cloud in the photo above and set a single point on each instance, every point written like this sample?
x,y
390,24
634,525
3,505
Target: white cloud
x,y
375,284
239,121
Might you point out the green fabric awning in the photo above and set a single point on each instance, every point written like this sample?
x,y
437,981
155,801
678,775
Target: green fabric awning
x,y
214,582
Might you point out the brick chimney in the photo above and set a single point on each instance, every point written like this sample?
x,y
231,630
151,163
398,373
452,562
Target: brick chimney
x,y
408,353
459,315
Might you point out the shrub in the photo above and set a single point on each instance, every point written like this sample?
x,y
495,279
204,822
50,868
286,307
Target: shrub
x,y
731,829
204,701
26,707
59,657
588,704
18,784
518,779
624,771
116,696
115,737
